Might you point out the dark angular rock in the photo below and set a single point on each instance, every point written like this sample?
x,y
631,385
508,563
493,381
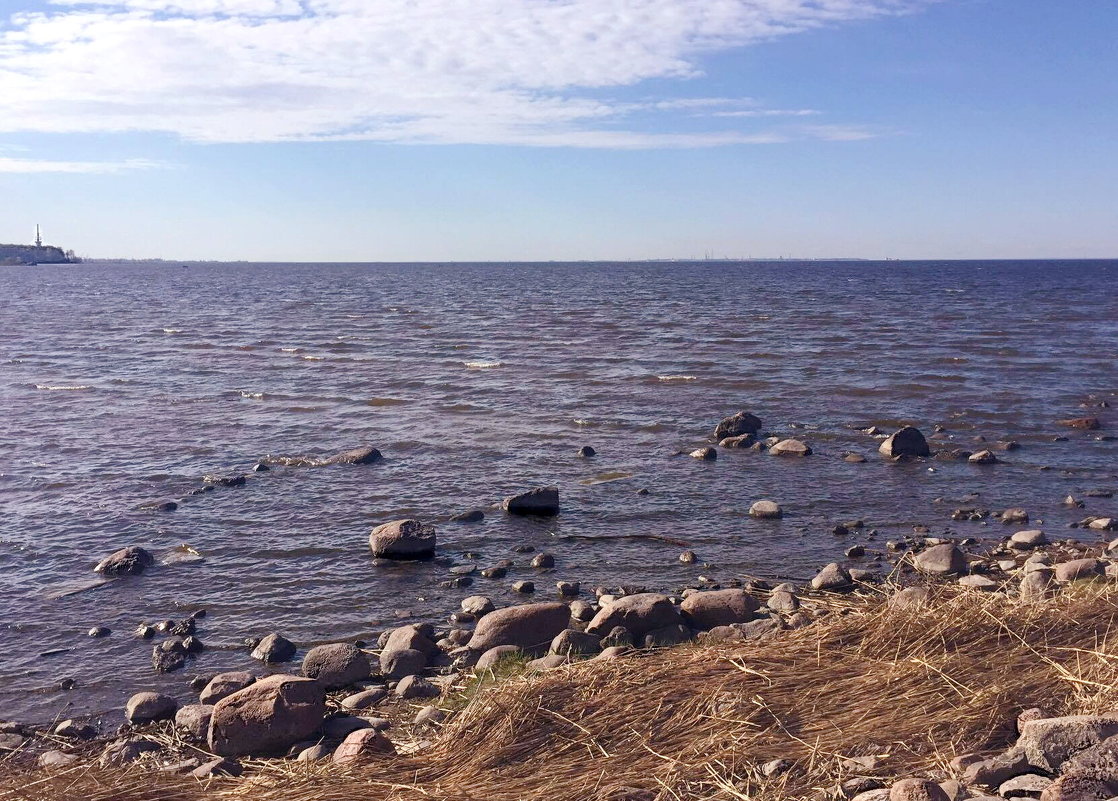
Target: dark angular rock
x,y
132,561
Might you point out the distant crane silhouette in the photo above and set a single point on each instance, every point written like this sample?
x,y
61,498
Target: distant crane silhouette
x,y
38,238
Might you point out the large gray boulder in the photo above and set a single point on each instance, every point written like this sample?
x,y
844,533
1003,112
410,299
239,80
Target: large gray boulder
x,y
225,684
336,665
736,425
1038,585
530,627
640,614
274,648
705,610
906,442
790,447
414,636
941,560
1048,743
572,642
403,539
146,707
400,662
267,717
834,578
131,561
542,502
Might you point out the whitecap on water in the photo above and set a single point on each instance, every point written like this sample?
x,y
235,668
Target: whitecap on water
x,y
677,378
313,358
252,395
172,330
483,365
291,350
62,387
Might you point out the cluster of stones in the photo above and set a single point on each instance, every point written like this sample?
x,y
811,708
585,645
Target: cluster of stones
x,y
1071,758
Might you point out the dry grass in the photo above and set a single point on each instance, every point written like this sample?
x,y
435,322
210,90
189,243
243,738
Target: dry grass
x,y
912,686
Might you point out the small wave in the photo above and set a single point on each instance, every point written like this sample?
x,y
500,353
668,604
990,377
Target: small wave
x,y
291,350
676,378
313,358
579,421
483,365
172,330
63,387
252,395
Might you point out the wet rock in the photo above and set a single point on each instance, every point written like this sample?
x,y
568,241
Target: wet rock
x,y
543,560
736,425
365,455
274,648
917,790
908,441
362,746
668,636
741,441
472,516
97,632
1082,423
766,510
167,659
586,452
396,664
705,610
639,614
403,539
542,502
1014,516
941,560
568,589
706,454
855,551
618,637
477,605
225,684
854,458
494,572
524,587
336,665
1027,540
267,717
983,457
131,561
530,627
1103,524
416,687
144,631
146,707
790,447
834,578
1079,570
195,719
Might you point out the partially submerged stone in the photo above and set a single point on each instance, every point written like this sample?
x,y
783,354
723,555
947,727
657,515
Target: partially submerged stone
x,y
908,441
131,561
541,502
737,425
403,539
766,510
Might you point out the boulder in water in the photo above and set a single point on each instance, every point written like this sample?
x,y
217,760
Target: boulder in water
x,y
908,441
790,447
364,455
542,502
127,561
403,539
737,424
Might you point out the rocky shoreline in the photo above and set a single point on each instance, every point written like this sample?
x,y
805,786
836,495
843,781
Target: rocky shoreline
x,y
351,703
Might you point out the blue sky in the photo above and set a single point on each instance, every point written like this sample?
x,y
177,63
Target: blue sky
x,y
368,130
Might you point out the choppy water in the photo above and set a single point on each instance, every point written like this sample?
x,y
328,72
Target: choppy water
x,y
125,384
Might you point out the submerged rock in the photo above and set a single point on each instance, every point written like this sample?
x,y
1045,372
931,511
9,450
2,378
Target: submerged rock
x,y
766,510
790,447
706,454
472,516
274,648
364,455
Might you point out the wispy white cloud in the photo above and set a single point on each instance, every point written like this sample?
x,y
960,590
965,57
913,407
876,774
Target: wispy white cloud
x,y
13,165
436,71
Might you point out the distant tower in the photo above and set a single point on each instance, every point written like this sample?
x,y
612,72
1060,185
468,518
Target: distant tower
x,y
38,238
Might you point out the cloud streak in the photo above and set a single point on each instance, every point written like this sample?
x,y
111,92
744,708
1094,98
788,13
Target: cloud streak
x,y
524,72
38,166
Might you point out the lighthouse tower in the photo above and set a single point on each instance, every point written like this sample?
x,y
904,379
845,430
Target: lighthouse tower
x,y
38,238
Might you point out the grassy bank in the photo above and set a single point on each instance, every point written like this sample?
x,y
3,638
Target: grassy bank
x,y
913,687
